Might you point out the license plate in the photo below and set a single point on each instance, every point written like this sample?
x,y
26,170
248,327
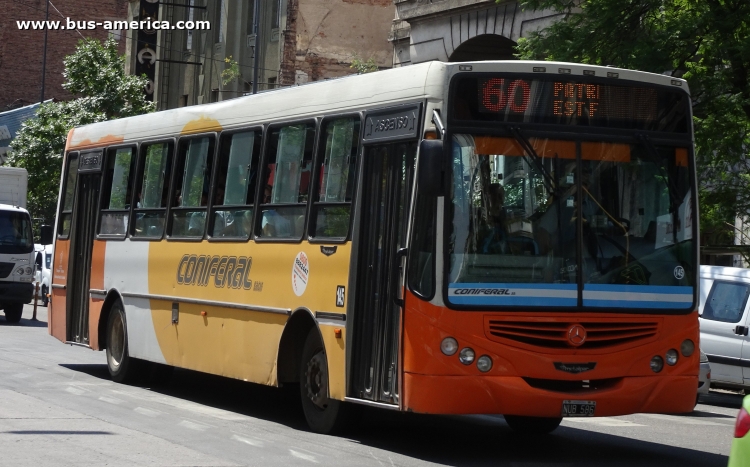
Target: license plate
x,y
578,408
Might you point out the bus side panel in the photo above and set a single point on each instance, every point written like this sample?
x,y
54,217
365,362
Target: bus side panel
x,y
96,282
57,322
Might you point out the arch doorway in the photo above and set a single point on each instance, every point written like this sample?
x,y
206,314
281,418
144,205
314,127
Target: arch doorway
x,y
484,47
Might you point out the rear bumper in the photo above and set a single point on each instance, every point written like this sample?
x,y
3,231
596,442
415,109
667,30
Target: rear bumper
x,y
512,395
16,292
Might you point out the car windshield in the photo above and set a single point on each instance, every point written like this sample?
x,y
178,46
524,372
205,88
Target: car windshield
x,y
15,232
553,222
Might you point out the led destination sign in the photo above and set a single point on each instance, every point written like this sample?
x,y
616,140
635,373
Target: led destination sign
x,y
559,101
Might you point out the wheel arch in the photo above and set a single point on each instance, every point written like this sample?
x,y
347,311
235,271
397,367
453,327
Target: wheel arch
x,y
112,297
291,344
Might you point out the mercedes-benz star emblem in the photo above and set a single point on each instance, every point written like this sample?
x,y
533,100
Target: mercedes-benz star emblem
x,y
576,335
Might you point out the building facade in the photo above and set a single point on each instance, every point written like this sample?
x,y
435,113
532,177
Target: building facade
x,y
22,50
461,30
296,41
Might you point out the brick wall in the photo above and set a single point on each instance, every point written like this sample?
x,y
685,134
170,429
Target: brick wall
x,y
21,51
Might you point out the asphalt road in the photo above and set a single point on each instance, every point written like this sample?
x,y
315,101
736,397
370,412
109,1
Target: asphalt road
x,y
58,407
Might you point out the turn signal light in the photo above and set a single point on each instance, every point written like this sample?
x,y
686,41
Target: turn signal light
x,y
687,348
449,346
743,424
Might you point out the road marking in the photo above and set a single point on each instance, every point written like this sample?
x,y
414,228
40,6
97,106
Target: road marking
x,y
194,426
250,441
76,391
682,420
111,400
147,412
602,421
300,455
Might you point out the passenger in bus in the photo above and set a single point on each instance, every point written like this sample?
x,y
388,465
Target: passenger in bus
x,y
273,223
496,231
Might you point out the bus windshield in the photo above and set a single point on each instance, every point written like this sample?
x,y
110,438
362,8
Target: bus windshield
x,y
565,223
15,233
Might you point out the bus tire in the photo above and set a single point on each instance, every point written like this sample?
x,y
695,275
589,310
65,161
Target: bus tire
x,y
323,415
532,425
122,368
13,312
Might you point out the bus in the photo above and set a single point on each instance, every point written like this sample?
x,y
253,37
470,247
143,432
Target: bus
x,y
499,237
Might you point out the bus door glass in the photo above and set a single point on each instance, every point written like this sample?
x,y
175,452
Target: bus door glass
x,y
83,231
388,172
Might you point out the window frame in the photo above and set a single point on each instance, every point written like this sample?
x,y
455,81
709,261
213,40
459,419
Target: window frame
x,y
315,185
258,214
138,187
261,128
62,196
212,147
133,171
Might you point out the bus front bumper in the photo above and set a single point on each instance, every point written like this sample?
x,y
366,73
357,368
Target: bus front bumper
x,y
512,395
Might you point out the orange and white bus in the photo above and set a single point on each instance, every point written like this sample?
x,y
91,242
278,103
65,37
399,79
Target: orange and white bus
x,y
512,238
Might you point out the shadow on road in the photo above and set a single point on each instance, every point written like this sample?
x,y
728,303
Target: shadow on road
x,y
24,323
451,440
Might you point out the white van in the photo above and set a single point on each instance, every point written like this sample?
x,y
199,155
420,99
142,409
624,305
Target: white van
x,y
724,321
43,275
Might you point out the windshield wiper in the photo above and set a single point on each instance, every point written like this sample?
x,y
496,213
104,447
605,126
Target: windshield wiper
x,y
529,149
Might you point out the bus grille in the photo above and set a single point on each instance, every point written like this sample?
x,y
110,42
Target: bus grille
x,y
5,269
553,334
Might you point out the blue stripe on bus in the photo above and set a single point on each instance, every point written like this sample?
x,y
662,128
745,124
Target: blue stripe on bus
x,y
510,285
660,289
517,301
635,304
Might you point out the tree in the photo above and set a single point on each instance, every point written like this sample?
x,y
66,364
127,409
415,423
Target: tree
x,y
94,73
706,42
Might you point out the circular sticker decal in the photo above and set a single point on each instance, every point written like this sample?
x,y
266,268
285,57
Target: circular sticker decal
x,y
679,272
300,273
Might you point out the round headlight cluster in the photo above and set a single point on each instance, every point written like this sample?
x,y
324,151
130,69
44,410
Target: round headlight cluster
x,y
21,271
687,348
449,346
657,363
467,356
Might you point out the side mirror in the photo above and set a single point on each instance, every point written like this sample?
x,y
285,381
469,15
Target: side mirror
x,y
46,235
430,167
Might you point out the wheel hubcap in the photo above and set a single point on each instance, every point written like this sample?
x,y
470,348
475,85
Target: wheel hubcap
x,y
316,380
116,342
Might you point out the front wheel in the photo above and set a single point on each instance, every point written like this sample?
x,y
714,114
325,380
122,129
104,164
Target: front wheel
x,y
323,415
122,367
532,425
13,312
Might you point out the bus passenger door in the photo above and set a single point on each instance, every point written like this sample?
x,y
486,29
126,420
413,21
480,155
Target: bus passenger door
x,y
388,171
82,233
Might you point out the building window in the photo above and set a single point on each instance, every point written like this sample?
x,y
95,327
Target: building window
x,y
190,17
272,83
251,17
275,14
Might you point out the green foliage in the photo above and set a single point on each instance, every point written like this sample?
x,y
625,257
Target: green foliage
x,y
706,42
363,66
231,72
95,74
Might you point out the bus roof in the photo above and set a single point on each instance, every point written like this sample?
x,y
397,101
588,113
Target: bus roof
x,y
356,92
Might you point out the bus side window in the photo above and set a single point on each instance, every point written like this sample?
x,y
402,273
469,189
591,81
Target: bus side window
x,y
236,180
69,192
192,179
152,189
286,176
117,193
335,179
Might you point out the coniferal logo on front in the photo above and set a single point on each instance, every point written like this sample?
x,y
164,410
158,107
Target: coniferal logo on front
x,y
483,292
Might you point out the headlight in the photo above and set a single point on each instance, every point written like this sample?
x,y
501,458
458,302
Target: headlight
x,y
449,346
484,363
687,348
672,357
466,356
704,357
28,271
19,271
657,363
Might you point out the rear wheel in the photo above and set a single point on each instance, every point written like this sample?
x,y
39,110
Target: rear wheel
x,y
122,368
323,415
532,425
13,312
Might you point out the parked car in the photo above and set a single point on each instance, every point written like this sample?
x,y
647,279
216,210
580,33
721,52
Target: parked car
x,y
739,456
724,323
704,376
43,275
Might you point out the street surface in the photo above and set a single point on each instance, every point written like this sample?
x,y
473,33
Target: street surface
x,y
58,407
